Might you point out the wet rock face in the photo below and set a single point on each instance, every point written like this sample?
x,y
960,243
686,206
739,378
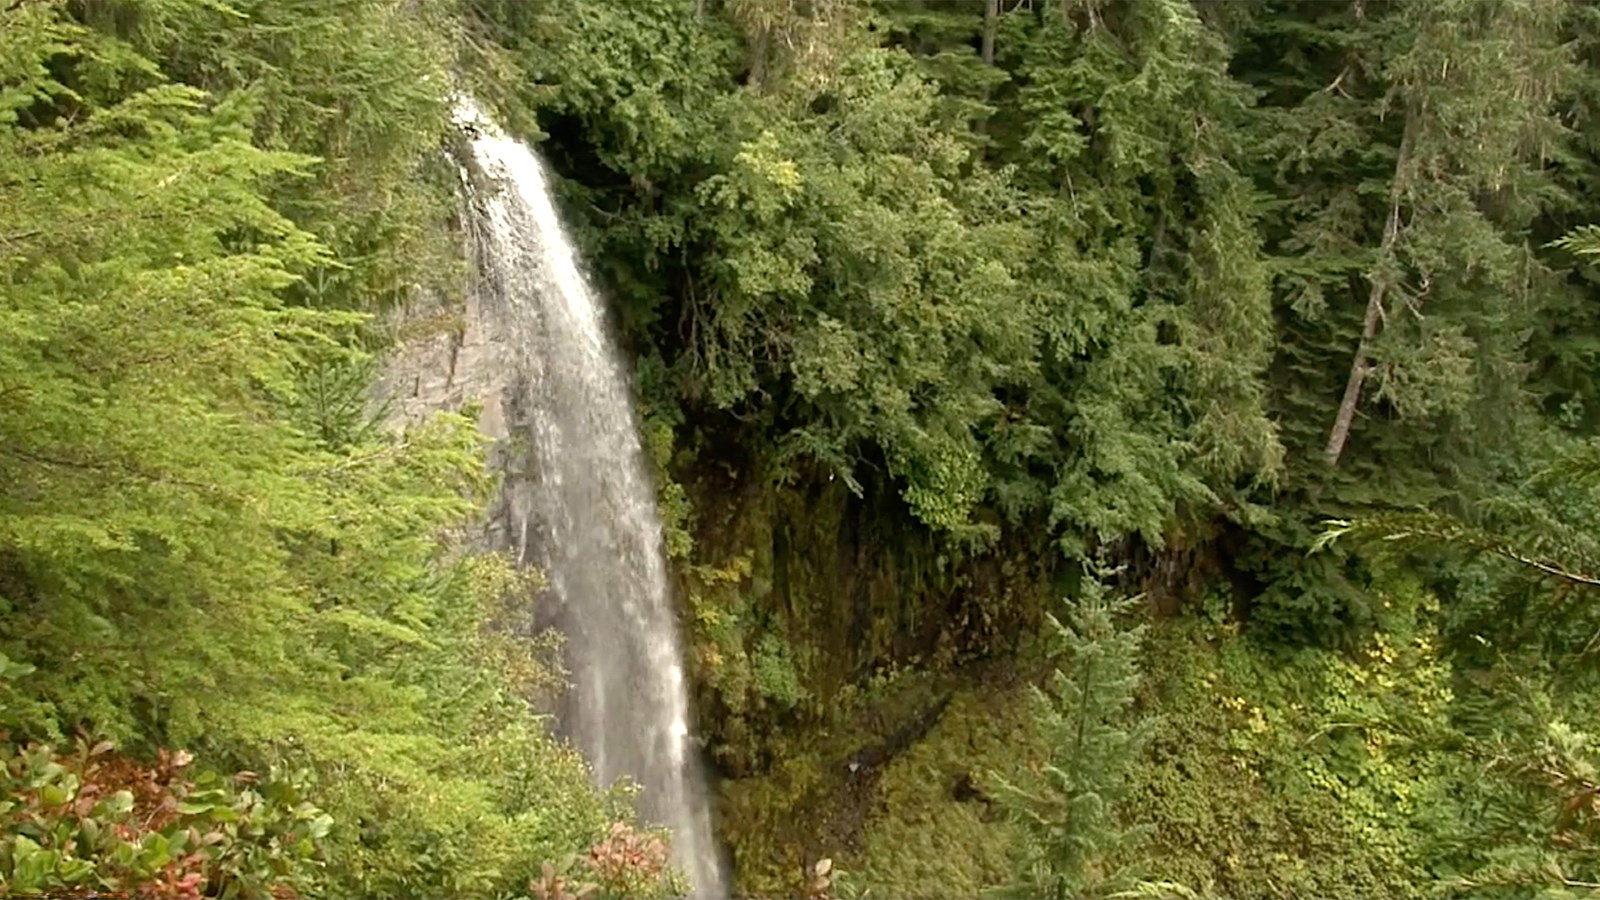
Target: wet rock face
x,y
447,354
450,351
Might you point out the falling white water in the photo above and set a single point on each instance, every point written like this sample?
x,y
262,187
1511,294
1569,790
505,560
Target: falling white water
x,y
579,503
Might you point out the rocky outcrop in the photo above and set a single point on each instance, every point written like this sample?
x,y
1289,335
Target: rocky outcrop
x,y
445,354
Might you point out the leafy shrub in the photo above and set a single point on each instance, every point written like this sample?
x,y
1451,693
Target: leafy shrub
x,y
95,819
626,864
1287,772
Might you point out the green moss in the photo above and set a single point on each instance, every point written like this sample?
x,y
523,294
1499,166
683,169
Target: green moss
x,y
775,675
910,821
810,802
771,822
933,833
824,631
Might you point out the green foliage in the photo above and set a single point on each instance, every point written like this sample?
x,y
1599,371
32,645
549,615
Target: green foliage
x,y
815,191
362,86
919,290
207,539
937,832
1583,241
93,820
1067,809
1517,823
774,672
1281,773
1522,822
831,261
1533,540
1407,148
1099,272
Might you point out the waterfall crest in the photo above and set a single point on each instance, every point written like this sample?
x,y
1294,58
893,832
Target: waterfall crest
x,y
578,501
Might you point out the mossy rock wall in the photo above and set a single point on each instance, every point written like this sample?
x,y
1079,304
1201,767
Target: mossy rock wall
x,y
800,595
828,639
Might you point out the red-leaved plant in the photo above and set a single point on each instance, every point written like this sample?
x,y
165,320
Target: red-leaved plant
x,y
624,865
97,820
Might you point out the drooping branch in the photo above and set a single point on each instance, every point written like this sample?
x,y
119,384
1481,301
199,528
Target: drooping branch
x,y
1437,529
114,468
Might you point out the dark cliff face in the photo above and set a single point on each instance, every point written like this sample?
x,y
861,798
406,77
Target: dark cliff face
x,y
842,589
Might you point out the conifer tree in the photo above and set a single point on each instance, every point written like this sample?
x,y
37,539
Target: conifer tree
x,y
1405,144
1068,811
204,544
1472,95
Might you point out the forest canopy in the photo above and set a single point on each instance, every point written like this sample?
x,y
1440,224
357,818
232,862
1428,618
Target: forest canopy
x,y
953,322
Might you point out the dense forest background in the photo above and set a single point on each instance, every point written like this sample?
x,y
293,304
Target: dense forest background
x,y
1109,447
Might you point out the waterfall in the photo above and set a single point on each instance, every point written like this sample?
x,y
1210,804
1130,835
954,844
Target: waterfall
x,y
579,503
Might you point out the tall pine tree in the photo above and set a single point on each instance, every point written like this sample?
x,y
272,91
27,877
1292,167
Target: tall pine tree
x,y
1067,813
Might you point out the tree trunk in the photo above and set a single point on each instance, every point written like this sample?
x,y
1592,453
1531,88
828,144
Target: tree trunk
x,y
758,57
1359,369
1360,365
991,24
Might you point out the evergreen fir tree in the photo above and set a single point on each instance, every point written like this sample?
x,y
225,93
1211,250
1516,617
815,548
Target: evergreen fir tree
x,y
1073,831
